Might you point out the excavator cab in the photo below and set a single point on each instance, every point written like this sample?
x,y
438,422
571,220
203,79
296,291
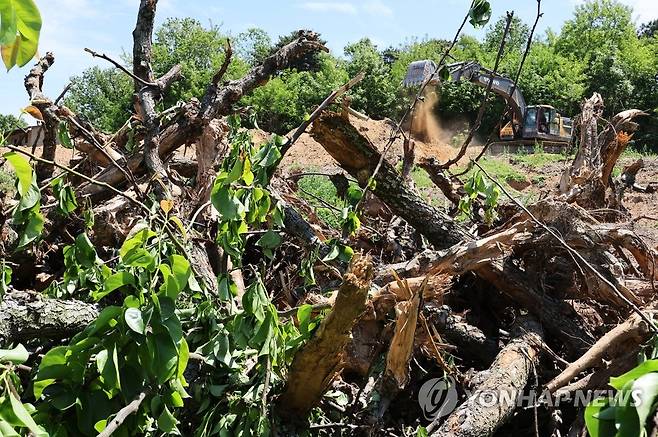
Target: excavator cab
x,y
544,122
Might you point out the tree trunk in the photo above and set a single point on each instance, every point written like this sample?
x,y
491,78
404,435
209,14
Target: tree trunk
x,y
26,315
317,364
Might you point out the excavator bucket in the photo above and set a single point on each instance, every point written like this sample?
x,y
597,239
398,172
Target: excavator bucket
x,y
418,72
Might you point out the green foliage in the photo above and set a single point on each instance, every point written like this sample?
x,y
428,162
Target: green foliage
x,y
478,186
253,45
10,122
27,216
285,101
20,26
200,51
376,93
135,346
103,95
628,412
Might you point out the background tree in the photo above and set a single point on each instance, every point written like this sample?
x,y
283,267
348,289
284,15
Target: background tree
x,y
102,95
253,45
376,93
10,122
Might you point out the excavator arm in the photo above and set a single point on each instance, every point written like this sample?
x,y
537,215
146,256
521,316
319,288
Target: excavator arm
x,y
421,71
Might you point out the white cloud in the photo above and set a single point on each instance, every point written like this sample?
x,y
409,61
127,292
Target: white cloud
x,y
338,7
377,7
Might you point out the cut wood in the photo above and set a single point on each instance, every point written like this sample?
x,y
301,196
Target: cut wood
x,y
503,384
318,363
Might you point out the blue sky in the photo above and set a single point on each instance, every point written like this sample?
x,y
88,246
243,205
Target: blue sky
x,y
106,26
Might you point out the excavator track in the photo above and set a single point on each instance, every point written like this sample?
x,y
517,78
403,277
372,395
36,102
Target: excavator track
x,y
527,146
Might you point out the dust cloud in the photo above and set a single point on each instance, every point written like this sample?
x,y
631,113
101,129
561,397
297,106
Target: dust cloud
x,y
425,126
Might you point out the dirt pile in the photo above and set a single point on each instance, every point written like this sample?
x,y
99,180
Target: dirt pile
x,y
309,153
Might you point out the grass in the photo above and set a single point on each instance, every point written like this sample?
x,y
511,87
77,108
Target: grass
x,y
498,169
312,188
427,187
633,153
7,180
537,160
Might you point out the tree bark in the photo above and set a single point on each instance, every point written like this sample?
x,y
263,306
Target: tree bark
x,y
317,364
359,157
25,316
504,382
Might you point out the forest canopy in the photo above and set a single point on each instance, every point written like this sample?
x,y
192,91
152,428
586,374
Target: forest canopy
x,y
599,49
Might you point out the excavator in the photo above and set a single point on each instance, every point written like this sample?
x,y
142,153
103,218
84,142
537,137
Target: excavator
x,y
528,126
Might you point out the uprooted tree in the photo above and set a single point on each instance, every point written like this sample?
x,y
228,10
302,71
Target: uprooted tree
x,y
165,295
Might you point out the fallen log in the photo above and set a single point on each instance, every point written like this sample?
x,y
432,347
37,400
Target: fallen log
x,y
503,383
318,363
359,157
27,315
624,338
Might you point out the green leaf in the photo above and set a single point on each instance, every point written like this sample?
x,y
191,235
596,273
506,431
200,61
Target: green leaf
x,y
642,369
23,171
183,358
134,320
108,367
5,278
63,135
24,416
167,422
6,430
32,231
181,270
28,19
226,203
645,390
480,13
85,252
235,174
8,27
17,355
354,195
165,356
595,426
247,175
65,196
113,282
304,317
104,320
269,240
19,52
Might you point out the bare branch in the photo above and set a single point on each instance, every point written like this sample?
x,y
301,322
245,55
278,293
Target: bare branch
x,y
328,101
120,67
122,415
228,55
